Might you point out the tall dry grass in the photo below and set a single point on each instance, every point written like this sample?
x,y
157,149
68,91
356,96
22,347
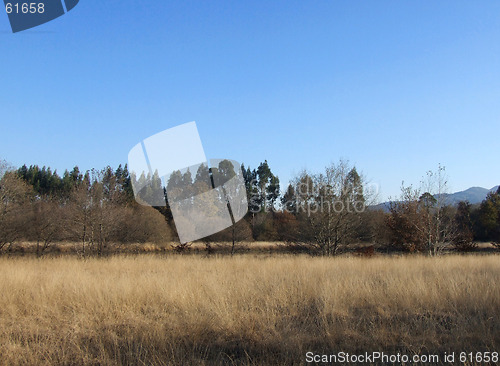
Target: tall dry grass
x,y
243,310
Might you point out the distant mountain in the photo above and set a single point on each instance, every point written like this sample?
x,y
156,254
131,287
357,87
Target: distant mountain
x,y
474,195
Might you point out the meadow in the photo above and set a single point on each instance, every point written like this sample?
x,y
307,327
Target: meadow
x,y
243,310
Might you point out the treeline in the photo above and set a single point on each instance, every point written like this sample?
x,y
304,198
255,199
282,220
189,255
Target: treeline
x,y
94,209
325,213
421,222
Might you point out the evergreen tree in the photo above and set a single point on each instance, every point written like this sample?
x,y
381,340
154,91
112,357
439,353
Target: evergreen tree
x,y
264,176
273,190
463,235
289,200
487,222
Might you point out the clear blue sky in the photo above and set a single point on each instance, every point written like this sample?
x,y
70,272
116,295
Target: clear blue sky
x,y
396,87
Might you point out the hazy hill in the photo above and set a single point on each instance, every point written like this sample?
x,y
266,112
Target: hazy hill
x,y
474,195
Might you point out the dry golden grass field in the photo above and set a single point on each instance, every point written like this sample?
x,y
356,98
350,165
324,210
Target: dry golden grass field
x,y
245,310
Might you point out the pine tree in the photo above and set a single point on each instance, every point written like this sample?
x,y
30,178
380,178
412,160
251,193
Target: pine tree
x,y
289,200
463,235
264,175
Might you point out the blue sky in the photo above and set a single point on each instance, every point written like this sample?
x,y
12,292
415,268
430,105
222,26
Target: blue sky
x,y
396,87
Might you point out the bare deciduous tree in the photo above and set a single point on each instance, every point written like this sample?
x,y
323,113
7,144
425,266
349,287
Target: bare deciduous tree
x,y
329,207
45,223
422,221
405,221
4,167
14,196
